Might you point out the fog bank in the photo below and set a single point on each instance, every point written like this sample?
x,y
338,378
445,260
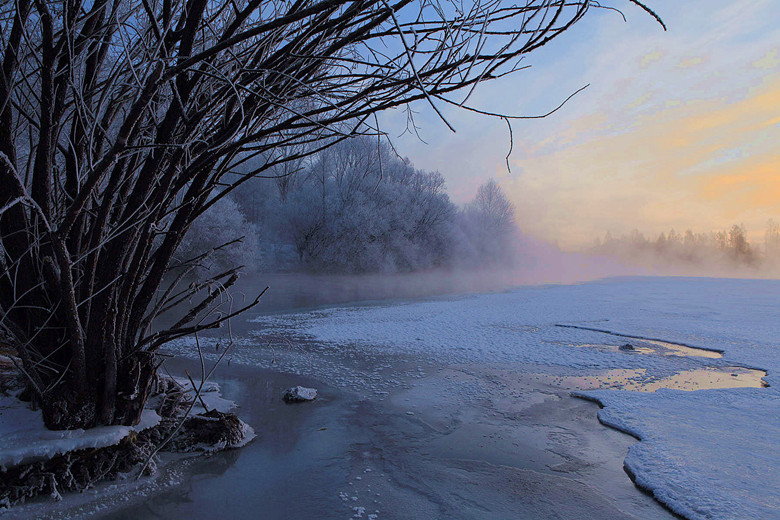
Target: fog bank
x,y
535,263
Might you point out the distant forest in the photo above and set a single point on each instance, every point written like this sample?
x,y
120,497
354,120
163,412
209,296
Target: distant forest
x,y
724,249
355,207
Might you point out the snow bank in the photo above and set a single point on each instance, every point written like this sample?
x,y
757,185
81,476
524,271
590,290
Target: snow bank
x,y
519,326
705,454
24,438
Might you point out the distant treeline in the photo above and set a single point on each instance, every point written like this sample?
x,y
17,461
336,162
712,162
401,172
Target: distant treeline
x,y
727,248
354,207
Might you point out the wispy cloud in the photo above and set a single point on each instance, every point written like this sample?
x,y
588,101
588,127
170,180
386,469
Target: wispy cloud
x,y
678,129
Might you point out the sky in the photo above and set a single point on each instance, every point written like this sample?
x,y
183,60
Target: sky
x,y
676,130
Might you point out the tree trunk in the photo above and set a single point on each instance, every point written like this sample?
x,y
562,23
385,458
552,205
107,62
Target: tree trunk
x,y
65,409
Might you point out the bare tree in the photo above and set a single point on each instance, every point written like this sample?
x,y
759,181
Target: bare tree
x,y
122,121
495,210
486,228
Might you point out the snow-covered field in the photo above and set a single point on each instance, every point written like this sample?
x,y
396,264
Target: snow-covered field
x,y
705,454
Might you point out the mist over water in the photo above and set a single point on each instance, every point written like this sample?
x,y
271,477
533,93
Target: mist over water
x,y
535,263
357,223
725,253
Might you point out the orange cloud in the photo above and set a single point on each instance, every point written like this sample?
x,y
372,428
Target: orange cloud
x,y
754,186
703,164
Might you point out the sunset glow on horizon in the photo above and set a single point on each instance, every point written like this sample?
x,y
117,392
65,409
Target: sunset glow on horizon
x,y
701,165
677,130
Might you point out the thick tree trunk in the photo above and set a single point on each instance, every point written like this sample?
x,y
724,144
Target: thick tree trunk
x,y
134,388
121,400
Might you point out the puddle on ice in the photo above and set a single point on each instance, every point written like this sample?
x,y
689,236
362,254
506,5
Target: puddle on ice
x,y
696,379
673,349
710,377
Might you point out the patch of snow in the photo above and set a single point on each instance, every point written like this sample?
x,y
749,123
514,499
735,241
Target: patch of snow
x,y
24,438
299,393
705,454
210,394
248,435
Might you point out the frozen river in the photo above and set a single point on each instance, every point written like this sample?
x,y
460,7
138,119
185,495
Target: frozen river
x,y
463,407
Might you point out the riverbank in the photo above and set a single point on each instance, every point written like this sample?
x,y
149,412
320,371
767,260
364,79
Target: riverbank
x,y
465,441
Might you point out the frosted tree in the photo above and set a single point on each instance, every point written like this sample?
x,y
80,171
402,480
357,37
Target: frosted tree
x,y
222,239
493,208
358,208
487,227
738,244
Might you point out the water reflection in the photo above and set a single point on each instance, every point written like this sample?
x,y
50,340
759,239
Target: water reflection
x,y
616,348
637,380
673,349
690,379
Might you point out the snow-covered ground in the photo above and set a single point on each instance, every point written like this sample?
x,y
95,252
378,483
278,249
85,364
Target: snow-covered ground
x,y
705,454
24,438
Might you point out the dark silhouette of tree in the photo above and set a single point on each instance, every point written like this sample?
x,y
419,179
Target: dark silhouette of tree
x,y
123,121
